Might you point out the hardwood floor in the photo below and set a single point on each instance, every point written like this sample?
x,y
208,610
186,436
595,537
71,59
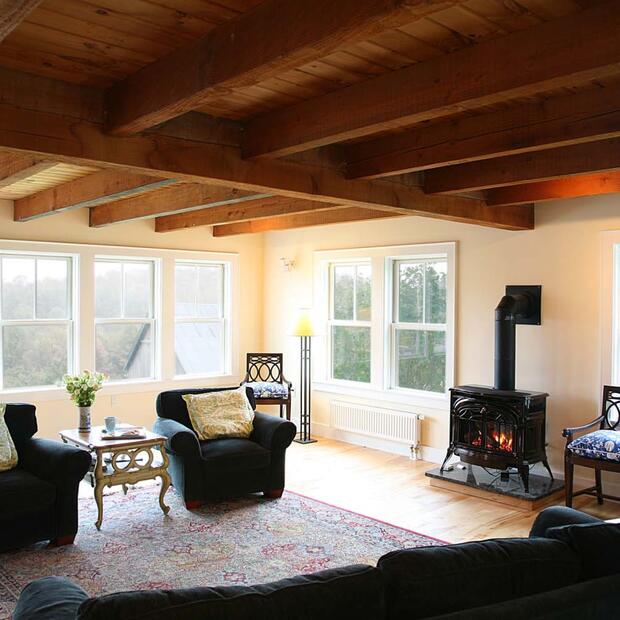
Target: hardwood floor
x,y
394,489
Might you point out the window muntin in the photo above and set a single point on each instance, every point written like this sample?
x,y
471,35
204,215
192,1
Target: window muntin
x,y
419,327
36,319
201,325
125,318
350,321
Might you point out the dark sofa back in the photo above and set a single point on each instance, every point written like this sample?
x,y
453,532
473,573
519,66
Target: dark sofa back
x,y
21,420
347,592
171,405
430,581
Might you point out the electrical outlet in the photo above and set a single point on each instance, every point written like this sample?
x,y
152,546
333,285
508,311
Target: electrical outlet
x,y
113,400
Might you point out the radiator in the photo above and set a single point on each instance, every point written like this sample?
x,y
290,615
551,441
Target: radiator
x,y
400,426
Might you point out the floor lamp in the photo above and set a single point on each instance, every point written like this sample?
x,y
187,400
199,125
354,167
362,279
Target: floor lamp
x,y
305,331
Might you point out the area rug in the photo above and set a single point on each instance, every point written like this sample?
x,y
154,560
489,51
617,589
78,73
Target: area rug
x,y
245,541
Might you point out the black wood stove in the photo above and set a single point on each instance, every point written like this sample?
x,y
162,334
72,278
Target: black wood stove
x,y
500,427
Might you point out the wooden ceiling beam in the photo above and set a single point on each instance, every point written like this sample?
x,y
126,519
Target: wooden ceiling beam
x,y
274,37
239,212
80,142
88,191
179,199
572,187
560,121
15,168
549,56
286,222
525,168
13,13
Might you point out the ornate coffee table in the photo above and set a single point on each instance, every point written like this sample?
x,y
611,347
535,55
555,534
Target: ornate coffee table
x,y
130,461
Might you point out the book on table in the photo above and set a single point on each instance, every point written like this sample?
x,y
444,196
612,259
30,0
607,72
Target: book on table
x,y
125,431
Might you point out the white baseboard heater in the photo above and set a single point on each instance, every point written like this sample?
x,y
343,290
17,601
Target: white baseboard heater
x,y
399,426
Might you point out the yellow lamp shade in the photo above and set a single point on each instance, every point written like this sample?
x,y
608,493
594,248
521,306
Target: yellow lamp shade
x,y
303,325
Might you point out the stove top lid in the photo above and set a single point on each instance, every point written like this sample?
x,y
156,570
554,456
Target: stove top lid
x,y
485,390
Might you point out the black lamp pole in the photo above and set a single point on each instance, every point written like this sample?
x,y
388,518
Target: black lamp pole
x,y
305,392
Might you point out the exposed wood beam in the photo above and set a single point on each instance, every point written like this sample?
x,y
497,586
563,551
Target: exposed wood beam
x,y
525,168
16,168
179,199
89,191
39,134
335,216
13,13
561,121
274,37
549,56
240,212
572,187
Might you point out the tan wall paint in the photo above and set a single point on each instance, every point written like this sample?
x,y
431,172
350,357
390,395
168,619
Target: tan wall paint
x,y
563,254
72,227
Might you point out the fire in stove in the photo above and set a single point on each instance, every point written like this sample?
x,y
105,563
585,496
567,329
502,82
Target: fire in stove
x,y
495,441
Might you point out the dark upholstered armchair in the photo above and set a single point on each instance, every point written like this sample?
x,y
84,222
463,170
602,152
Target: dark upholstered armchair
x,y
203,470
38,499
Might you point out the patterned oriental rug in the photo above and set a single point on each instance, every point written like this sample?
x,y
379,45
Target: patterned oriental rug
x,y
246,541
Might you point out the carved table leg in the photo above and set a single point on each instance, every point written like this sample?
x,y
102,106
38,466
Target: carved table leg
x,y
99,484
165,480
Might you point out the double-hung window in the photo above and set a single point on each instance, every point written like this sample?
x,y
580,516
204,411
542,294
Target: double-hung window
x,y
350,321
419,324
37,331
125,318
201,325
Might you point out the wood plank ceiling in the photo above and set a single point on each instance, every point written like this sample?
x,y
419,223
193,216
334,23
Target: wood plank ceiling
x,y
250,115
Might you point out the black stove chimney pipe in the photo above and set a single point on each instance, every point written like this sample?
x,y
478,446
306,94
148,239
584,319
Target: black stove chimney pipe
x,y
505,342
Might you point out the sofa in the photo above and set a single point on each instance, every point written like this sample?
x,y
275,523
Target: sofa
x,y
567,571
204,470
38,499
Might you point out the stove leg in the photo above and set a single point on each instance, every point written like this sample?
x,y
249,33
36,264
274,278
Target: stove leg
x,y
448,455
546,466
524,472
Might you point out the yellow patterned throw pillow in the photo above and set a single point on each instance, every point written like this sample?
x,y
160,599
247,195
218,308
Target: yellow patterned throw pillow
x,y
220,414
8,453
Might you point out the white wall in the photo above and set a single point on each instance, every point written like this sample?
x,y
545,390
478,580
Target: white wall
x,y
72,227
561,357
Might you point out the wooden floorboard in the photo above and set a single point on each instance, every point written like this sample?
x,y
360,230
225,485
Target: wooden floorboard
x,y
394,489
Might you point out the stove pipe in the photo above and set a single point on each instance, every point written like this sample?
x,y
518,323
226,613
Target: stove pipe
x,y
505,343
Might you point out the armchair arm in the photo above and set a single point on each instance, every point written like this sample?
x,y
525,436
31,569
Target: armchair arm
x,y
54,461
568,432
273,433
180,439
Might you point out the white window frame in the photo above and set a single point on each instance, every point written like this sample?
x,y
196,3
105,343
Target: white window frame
x,y
154,311
332,322
381,385
84,316
71,322
224,319
394,325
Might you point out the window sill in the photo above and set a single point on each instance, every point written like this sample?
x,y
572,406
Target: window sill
x,y
118,388
428,401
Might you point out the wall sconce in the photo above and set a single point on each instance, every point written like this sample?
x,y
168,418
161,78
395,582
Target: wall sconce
x,y
287,263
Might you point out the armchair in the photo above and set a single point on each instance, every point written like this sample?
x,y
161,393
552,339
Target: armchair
x,y
38,499
598,450
203,470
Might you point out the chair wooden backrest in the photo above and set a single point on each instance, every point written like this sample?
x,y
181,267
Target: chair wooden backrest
x,y
264,367
610,414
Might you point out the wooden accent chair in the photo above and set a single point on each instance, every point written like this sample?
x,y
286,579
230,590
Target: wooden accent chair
x,y
265,375
598,450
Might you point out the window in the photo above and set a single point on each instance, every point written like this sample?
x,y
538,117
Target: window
x,y
388,317
200,330
36,319
125,318
418,328
349,322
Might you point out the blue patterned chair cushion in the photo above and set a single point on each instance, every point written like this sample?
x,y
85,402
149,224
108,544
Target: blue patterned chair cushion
x,y
603,445
268,389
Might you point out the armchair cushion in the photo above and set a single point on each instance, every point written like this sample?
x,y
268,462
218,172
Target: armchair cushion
x,y
22,494
603,444
8,452
234,454
49,598
268,389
